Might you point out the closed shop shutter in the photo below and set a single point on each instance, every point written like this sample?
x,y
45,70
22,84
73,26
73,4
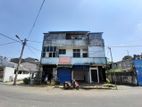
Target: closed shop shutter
x,y
79,75
64,74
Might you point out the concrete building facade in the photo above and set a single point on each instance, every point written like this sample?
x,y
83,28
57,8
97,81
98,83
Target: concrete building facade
x,y
73,55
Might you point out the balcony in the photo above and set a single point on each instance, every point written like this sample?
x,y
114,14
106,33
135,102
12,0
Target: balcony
x,y
49,60
96,60
66,43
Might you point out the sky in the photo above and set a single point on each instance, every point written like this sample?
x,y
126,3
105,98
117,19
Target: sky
x,y
120,20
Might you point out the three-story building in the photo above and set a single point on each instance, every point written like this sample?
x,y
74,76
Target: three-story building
x,y
73,55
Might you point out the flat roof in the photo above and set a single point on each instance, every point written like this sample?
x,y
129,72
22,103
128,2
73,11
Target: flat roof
x,y
68,32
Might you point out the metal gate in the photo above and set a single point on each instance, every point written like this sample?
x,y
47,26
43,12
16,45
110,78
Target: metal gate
x,y
64,74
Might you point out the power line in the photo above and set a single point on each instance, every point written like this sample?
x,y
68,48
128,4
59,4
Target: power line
x,y
36,18
125,46
1,34
34,48
35,41
7,43
31,50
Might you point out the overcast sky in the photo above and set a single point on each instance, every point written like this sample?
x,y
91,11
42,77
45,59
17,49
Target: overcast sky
x,y
120,20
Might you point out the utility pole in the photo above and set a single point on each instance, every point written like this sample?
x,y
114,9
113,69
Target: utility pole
x,y
20,58
110,54
111,64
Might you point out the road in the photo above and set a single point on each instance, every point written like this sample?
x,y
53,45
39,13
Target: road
x,y
19,96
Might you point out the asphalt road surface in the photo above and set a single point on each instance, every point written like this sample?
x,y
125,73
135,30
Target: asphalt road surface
x,y
17,96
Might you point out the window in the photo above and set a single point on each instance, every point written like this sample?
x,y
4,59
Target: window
x,y
51,49
85,55
44,49
76,53
52,54
43,54
62,51
68,37
48,49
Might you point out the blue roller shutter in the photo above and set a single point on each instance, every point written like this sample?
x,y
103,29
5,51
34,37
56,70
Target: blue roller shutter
x,y
138,67
64,74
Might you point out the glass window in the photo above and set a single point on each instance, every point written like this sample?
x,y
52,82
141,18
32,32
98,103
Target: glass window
x,y
54,54
68,37
51,49
48,49
85,55
43,54
50,54
62,51
76,52
44,49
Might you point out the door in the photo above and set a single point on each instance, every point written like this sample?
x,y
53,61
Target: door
x,y
1,74
94,75
64,74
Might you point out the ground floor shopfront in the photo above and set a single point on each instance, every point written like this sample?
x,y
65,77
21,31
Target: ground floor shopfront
x,y
80,73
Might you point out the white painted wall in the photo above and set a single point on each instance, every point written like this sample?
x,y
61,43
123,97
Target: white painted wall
x,y
69,53
96,51
9,75
96,54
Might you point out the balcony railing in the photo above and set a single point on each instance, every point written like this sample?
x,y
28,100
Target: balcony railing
x,y
66,43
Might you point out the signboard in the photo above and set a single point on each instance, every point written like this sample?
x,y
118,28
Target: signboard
x,y
64,60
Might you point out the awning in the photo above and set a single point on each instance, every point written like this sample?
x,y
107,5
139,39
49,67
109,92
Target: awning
x,y
80,68
65,65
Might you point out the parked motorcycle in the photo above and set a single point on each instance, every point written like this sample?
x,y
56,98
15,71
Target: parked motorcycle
x,y
71,85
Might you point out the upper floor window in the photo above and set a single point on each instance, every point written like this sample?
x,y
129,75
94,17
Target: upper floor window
x,y
52,54
62,51
85,55
68,36
49,51
84,52
43,54
76,53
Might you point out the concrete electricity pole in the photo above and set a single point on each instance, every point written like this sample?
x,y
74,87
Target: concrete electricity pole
x,y
111,64
20,58
110,54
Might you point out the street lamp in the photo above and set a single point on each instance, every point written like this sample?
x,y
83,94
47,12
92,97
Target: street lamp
x,y
24,42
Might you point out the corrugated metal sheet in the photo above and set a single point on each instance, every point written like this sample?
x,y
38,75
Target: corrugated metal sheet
x,y
138,67
96,51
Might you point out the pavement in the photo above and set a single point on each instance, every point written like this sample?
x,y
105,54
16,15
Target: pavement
x,y
48,96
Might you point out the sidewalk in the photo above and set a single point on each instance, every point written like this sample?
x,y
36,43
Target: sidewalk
x,y
85,90
82,86
92,86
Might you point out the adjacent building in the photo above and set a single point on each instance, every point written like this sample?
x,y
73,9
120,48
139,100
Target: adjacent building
x,y
26,69
73,55
127,71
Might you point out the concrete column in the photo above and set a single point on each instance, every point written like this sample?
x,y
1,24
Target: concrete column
x,y
90,78
98,77
72,75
